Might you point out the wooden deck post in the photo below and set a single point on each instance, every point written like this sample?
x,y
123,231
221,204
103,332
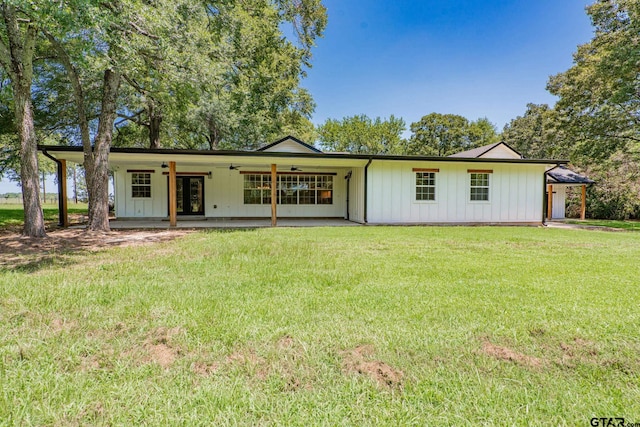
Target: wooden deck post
x,y
583,208
274,194
172,195
64,214
549,201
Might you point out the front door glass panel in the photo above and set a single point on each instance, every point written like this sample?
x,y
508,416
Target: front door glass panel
x,y
189,195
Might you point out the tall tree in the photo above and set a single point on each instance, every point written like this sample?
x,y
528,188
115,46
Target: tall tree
x,y
600,93
538,133
17,48
362,135
445,134
482,132
229,78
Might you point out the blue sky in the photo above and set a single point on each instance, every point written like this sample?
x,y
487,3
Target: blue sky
x,y
410,58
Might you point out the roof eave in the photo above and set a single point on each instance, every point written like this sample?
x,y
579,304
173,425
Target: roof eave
x,y
224,153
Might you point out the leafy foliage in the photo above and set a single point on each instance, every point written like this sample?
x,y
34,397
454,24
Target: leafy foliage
x,y
599,108
362,135
600,93
445,134
537,134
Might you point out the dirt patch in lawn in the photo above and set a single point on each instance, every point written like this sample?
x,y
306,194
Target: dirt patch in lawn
x,y
505,353
17,251
158,348
360,360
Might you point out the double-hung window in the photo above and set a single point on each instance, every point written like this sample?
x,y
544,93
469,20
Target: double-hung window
x,y
425,184
141,185
479,186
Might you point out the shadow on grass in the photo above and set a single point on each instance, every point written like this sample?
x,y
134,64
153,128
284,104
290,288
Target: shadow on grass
x,y
33,263
70,246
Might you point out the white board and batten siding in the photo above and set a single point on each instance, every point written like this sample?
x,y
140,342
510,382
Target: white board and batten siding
x,y
127,206
516,192
356,195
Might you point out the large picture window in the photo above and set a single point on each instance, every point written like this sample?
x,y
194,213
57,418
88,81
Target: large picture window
x,y
292,189
479,189
140,185
425,186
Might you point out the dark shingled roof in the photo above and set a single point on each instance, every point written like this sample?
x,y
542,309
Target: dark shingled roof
x,y
564,175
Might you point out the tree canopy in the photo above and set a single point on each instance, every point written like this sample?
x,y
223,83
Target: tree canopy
x,y
600,94
538,134
445,134
363,135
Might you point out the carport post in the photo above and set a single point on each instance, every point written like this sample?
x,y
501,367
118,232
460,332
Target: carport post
x,y
172,195
274,182
62,194
583,208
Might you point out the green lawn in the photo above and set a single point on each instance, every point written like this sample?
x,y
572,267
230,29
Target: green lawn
x,y
328,326
13,215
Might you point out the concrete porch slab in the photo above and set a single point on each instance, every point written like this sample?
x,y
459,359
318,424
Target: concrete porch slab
x,y
116,224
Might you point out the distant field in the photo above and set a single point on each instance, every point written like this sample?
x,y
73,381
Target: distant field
x,y
327,326
13,214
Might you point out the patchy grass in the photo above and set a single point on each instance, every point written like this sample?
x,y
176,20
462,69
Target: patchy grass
x,y
328,326
13,215
625,225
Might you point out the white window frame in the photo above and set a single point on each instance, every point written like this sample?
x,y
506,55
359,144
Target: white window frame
x,y
321,184
472,187
146,183
416,173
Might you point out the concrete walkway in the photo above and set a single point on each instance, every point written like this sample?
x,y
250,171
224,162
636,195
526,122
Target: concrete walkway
x,y
565,225
230,223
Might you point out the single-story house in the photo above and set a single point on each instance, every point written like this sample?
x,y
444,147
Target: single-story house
x,y
291,179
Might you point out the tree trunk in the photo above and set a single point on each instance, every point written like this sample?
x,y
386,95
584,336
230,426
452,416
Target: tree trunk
x,y
155,120
214,135
17,60
98,185
33,216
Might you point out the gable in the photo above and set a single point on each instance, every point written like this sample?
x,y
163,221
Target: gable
x,y
289,144
501,151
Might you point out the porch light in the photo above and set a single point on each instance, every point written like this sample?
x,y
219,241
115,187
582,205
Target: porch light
x,y
295,169
164,165
233,168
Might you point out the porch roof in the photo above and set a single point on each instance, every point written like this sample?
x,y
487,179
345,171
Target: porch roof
x,y
563,175
128,155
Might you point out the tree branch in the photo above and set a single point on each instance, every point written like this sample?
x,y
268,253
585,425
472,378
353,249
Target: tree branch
x,y
78,92
142,31
134,84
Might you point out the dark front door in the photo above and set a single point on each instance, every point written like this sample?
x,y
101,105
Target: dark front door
x,y
190,195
